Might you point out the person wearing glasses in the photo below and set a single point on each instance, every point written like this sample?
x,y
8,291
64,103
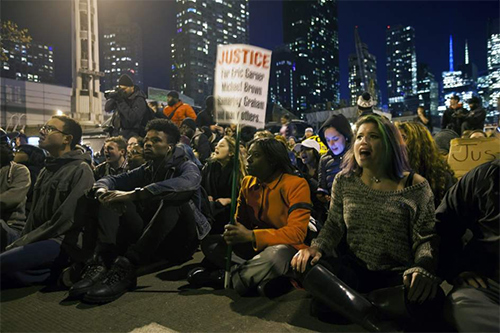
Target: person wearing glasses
x,y
50,236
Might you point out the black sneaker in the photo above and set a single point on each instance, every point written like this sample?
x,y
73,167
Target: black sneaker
x,y
117,281
93,272
202,277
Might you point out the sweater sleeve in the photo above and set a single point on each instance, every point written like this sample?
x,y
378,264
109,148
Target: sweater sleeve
x,y
423,232
294,232
333,230
17,189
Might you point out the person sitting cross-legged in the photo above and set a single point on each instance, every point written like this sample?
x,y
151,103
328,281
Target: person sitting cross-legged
x,y
150,211
273,211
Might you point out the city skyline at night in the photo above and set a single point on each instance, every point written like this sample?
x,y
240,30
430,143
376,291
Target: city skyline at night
x,y
433,22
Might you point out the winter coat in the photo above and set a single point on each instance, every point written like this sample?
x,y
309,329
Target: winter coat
x,y
474,119
130,114
177,180
329,166
59,186
182,111
14,186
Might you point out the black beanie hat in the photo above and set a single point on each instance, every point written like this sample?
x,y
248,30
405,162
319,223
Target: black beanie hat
x,y
173,94
189,122
126,81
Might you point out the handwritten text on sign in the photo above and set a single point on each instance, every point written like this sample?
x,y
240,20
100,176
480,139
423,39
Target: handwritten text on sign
x,y
466,154
241,84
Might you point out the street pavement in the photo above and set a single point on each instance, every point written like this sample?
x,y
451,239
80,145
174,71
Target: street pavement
x,y
162,302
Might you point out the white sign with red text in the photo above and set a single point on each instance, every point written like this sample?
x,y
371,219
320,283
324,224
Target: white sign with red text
x,y
241,84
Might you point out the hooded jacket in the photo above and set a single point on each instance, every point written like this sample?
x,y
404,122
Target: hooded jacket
x,y
475,119
59,186
177,180
329,164
130,113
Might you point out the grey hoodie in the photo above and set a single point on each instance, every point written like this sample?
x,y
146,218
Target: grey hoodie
x,y
57,190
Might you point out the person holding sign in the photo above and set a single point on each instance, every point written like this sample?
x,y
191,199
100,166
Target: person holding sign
x,y
385,217
272,216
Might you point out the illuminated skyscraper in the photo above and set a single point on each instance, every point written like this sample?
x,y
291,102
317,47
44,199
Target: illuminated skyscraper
x,y
33,62
494,63
401,66
427,89
356,85
311,31
201,26
282,81
122,52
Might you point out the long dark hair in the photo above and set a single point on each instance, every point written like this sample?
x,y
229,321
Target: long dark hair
x,y
396,157
276,152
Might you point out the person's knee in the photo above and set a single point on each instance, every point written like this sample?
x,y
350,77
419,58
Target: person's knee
x,y
278,258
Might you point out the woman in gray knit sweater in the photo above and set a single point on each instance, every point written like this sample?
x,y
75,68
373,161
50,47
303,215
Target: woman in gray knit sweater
x,y
381,225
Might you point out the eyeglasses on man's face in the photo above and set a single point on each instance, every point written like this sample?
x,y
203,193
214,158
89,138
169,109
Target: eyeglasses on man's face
x,y
47,129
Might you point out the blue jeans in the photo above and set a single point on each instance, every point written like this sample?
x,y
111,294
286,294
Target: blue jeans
x,y
35,263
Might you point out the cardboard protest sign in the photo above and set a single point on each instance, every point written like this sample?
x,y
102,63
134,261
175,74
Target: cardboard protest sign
x,y
241,84
466,154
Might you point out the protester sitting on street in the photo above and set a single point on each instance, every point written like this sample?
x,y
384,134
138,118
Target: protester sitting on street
x,y
385,216
14,186
213,137
134,141
263,134
308,164
50,236
443,140
135,156
271,224
115,151
474,120
197,139
425,159
130,110
161,217
217,181
230,130
291,152
473,134
176,110
335,133
469,214
34,159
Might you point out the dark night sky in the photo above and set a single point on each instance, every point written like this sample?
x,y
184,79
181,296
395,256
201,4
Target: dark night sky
x,y
50,22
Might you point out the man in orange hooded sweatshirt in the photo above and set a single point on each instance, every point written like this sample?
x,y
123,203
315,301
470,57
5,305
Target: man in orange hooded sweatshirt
x,y
176,110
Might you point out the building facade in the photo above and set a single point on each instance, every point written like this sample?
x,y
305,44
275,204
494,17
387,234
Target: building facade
x,y
356,82
28,62
310,29
427,89
494,64
200,27
401,66
283,80
122,52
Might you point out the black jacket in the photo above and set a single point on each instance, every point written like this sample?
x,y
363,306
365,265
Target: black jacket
x,y
205,118
130,113
449,121
474,119
473,204
329,166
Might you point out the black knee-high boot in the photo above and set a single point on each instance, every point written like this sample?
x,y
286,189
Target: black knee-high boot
x,y
329,289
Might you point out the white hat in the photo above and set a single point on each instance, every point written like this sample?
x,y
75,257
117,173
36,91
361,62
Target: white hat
x,y
309,129
309,143
365,101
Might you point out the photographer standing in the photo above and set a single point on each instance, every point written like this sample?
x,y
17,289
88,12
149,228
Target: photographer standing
x,y
131,112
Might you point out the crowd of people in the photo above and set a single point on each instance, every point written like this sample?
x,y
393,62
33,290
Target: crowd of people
x,y
368,219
